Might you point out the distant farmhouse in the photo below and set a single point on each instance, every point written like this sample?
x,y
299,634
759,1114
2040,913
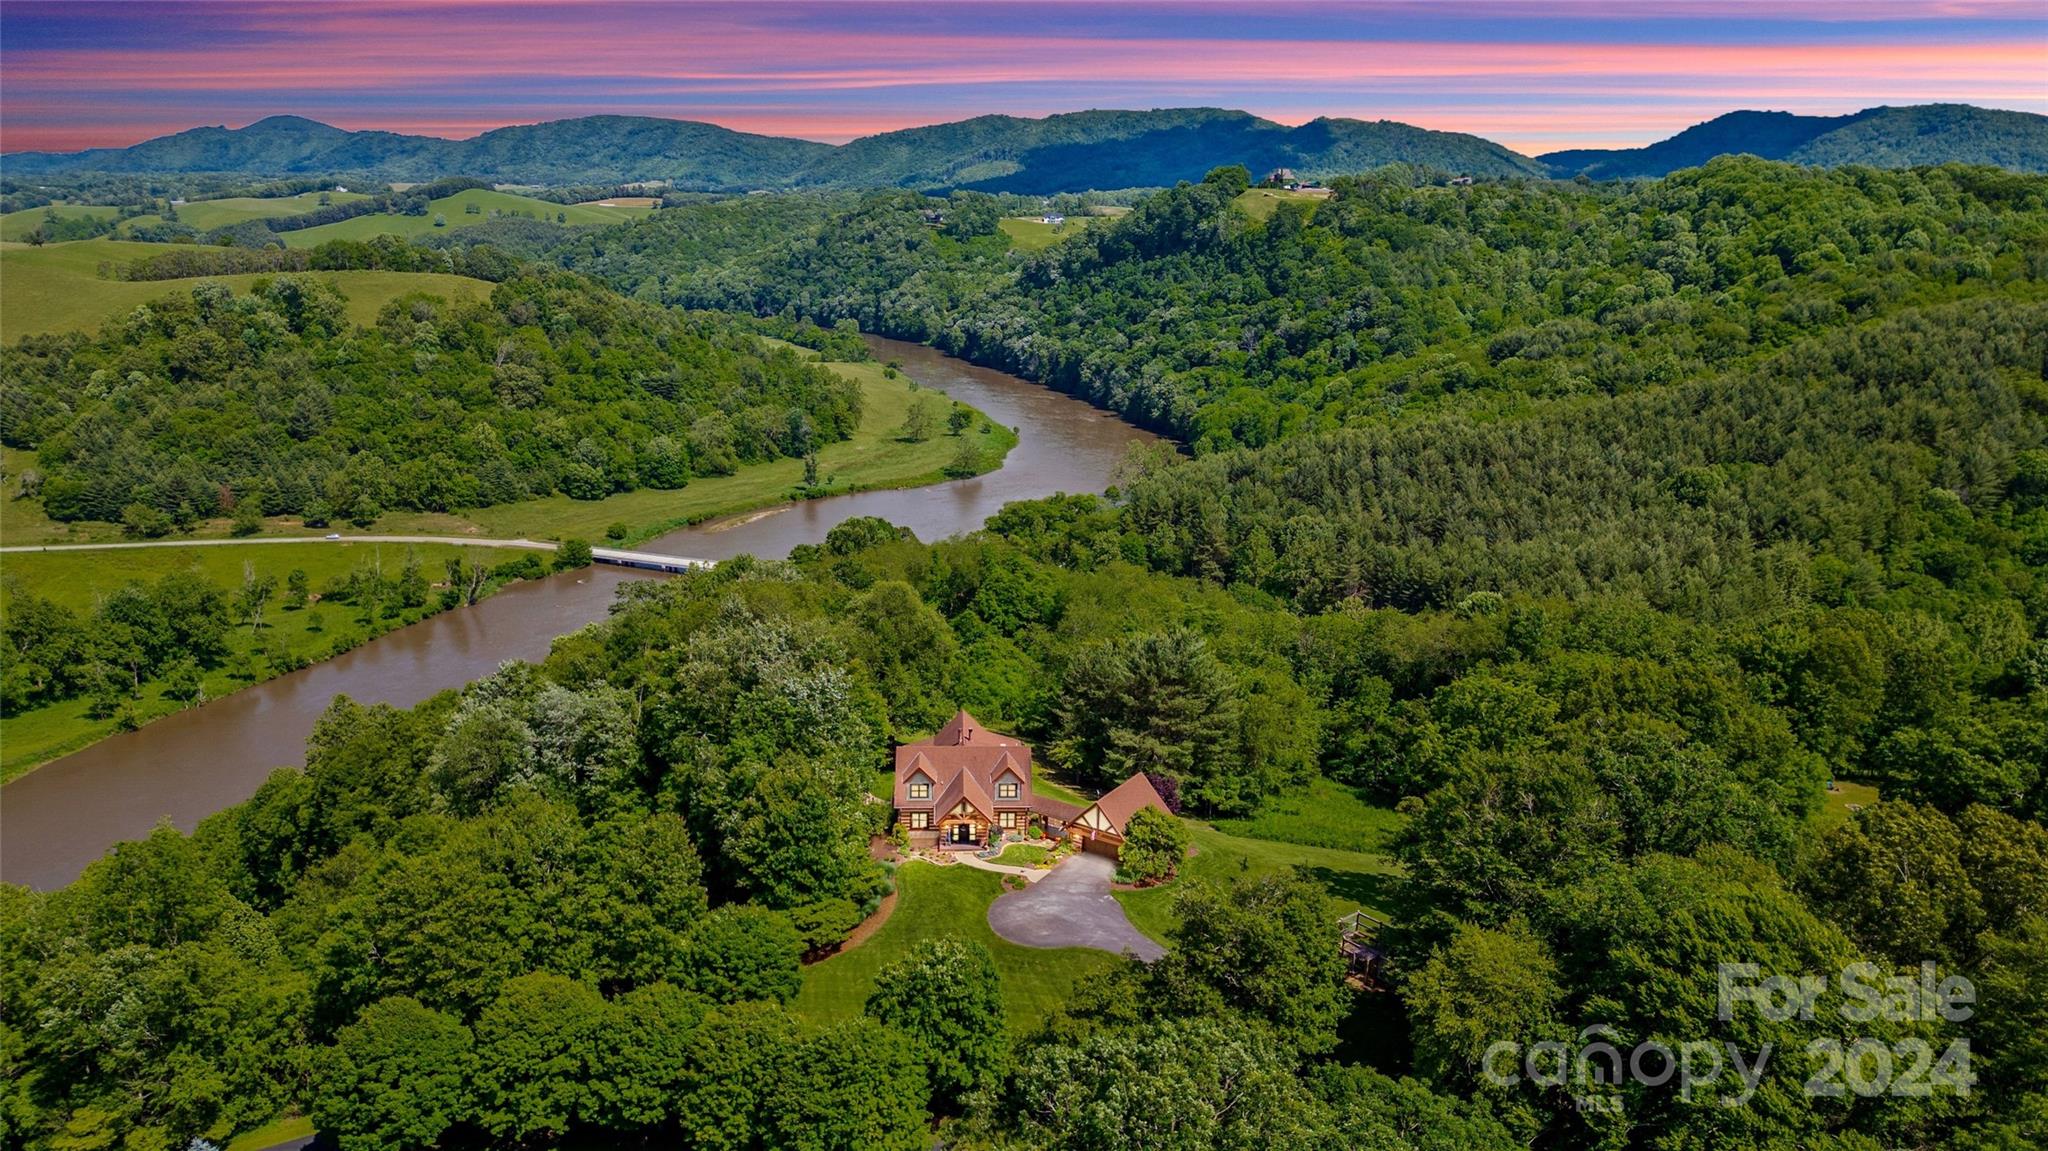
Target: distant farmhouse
x,y
966,781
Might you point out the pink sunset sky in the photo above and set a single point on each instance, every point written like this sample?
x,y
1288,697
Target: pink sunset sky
x,y
1536,75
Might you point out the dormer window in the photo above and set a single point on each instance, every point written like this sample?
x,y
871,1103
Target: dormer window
x,y
1007,789
920,789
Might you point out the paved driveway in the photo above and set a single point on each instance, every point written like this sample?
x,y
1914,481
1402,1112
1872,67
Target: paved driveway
x,y
1071,907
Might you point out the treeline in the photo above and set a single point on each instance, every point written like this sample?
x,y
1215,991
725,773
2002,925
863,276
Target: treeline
x,y
206,401
379,253
173,632
570,903
1386,299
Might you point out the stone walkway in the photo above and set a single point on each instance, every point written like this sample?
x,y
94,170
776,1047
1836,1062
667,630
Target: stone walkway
x,y
1071,907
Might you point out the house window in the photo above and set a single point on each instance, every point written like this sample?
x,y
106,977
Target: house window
x,y
919,820
1009,819
920,790
1007,789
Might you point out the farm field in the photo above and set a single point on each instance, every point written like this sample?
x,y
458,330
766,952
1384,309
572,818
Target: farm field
x,y
15,226
57,288
78,580
206,215
454,209
934,901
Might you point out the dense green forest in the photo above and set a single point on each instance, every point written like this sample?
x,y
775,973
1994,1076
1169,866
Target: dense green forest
x,y
568,904
192,406
1588,533
1387,299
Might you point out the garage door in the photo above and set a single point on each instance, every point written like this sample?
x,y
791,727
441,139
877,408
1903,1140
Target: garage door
x,y
1104,847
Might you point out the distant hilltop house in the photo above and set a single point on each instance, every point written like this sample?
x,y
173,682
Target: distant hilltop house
x,y
1053,218
965,782
1462,182
1279,177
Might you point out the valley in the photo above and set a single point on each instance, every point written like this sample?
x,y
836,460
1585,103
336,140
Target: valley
x,y
1172,629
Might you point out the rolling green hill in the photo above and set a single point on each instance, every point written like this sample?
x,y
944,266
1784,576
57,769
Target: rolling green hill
x,y
57,288
454,210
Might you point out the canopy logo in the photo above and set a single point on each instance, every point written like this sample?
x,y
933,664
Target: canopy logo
x,y
1859,994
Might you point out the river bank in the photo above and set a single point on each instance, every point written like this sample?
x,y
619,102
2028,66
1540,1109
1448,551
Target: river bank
x,y
184,767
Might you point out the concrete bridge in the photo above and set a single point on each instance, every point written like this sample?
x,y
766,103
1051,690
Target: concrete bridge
x,y
647,561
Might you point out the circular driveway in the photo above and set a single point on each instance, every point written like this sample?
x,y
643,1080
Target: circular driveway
x,y
1071,907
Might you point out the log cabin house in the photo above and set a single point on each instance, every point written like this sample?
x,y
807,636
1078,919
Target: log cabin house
x,y
965,782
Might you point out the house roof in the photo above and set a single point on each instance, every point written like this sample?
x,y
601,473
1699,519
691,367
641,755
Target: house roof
x,y
1125,800
962,750
1056,809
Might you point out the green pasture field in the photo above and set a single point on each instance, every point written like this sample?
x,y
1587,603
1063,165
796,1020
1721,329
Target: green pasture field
x,y
453,210
57,287
79,580
1032,234
1260,203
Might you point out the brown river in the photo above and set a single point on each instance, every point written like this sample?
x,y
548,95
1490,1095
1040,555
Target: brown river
x,y
66,814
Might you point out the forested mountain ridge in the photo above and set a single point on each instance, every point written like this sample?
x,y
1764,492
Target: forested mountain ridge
x,y
604,149
1063,152
1111,149
1883,137
186,406
1387,300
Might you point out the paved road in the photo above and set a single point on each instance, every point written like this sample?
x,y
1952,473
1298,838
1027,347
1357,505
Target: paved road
x,y
535,545
655,561
1072,907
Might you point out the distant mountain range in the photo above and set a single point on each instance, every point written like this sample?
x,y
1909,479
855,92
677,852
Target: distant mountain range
x,y
1883,137
1069,152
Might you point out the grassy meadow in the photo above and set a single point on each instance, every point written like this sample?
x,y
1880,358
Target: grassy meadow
x,y
79,580
57,287
950,901
1353,879
1260,203
203,215
454,209
1032,234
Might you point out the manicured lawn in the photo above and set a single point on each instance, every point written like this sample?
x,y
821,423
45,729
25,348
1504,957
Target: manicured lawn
x,y
1024,855
935,902
1353,879
1834,810
77,580
1325,814
874,458
57,288
272,1133
454,210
